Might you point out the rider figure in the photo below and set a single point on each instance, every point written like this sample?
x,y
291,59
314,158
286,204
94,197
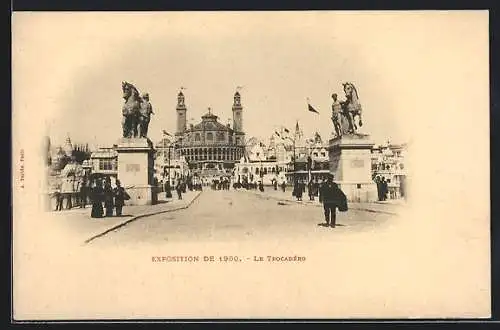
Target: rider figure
x,y
336,115
146,111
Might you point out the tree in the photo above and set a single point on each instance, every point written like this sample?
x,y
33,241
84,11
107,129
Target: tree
x,y
48,158
80,154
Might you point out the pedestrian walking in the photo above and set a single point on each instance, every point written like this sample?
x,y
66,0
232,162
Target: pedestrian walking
x,y
283,186
120,197
332,198
83,194
168,189
384,188
297,190
97,196
380,188
310,190
178,188
59,199
261,186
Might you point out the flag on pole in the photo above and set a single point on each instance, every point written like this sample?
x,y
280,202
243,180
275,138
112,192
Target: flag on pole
x,y
166,133
310,108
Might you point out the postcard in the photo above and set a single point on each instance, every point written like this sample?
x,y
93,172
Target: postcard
x,y
250,165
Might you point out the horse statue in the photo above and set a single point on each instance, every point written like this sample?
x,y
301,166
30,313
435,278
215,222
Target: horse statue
x,y
351,109
130,110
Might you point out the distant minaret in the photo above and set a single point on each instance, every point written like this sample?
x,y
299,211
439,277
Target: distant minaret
x,y
298,132
181,113
68,147
237,113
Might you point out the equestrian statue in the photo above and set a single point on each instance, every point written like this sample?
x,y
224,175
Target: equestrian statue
x,y
346,115
136,112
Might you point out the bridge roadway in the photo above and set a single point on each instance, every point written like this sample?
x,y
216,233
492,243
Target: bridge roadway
x,y
223,216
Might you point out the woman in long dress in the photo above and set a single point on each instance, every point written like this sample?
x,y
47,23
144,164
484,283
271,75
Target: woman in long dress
x,y
97,198
298,190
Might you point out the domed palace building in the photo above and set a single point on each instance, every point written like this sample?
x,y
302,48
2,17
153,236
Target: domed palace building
x,y
209,147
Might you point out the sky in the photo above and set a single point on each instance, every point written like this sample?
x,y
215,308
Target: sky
x,y
71,66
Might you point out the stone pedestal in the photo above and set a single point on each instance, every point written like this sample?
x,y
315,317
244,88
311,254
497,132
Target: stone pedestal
x,y
135,170
350,163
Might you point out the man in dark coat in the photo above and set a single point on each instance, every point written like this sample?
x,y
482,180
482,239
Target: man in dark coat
x,y
120,197
178,188
384,188
332,197
379,187
168,189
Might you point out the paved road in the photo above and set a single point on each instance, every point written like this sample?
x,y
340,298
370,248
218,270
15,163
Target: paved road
x,y
222,216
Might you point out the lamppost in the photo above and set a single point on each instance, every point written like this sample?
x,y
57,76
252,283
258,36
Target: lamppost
x,y
171,145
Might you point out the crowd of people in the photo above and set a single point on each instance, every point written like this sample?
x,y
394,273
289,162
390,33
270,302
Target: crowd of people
x,y
221,183
74,191
107,200
99,193
299,188
103,194
179,186
251,183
